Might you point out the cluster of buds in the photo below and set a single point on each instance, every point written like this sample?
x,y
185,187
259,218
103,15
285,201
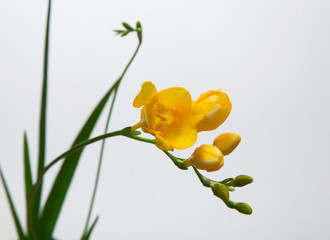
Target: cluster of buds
x,y
221,190
128,29
210,157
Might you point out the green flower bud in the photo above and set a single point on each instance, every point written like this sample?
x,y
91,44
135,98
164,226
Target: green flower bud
x,y
241,181
127,26
220,190
243,208
139,30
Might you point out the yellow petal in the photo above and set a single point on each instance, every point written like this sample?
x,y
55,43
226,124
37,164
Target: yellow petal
x,y
148,90
181,134
210,96
144,120
227,142
175,98
197,113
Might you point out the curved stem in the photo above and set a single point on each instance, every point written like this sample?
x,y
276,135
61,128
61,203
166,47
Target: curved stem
x,y
142,139
177,161
117,83
76,148
204,180
98,169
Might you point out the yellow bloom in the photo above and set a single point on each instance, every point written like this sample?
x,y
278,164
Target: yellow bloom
x,y
169,115
216,107
206,157
227,142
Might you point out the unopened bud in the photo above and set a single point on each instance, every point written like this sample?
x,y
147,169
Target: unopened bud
x,y
127,26
243,208
206,157
242,180
227,142
220,190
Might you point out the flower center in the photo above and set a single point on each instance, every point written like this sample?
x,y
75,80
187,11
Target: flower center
x,y
163,116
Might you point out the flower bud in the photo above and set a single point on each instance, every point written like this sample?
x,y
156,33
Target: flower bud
x,y
227,142
216,107
207,157
241,181
127,26
243,208
220,190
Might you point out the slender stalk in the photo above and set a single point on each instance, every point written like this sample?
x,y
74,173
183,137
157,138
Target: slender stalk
x,y
142,139
85,231
204,180
177,161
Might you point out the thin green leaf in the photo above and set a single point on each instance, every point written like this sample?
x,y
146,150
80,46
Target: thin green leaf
x,y
18,225
89,232
64,177
28,183
33,219
27,169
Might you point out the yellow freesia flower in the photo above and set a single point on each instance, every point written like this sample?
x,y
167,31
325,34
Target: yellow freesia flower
x,y
216,107
227,142
206,157
169,115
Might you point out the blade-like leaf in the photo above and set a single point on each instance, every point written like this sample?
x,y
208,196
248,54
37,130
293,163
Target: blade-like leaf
x,y
64,177
89,232
28,182
27,169
18,225
33,218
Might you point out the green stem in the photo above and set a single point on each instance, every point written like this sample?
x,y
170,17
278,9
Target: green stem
x,y
204,180
177,161
74,149
117,83
142,139
85,232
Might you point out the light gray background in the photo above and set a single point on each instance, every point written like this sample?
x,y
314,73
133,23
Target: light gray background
x,y
270,56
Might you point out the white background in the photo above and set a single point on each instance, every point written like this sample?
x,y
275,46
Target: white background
x,y
272,58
